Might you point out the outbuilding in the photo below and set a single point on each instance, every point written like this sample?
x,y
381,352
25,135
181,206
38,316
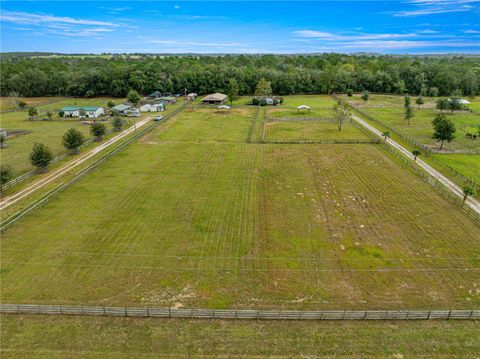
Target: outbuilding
x,y
191,96
215,99
122,108
155,107
168,99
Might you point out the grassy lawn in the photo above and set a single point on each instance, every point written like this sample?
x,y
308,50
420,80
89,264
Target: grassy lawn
x,y
311,131
468,165
26,133
294,114
174,221
98,337
309,100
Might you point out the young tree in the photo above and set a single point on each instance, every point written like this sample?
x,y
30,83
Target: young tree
x,y
385,134
365,96
22,104
72,140
40,156
444,129
232,90
50,115
98,130
133,97
419,101
3,139
110,104
442,104
263,88
6,174
349,92
467,191
408,109
341,114
415,154
32,113
117,123
61,114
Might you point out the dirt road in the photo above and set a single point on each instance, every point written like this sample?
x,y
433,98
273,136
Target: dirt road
x,y
8,201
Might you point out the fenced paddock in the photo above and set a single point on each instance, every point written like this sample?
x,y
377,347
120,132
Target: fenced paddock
x,y
192,313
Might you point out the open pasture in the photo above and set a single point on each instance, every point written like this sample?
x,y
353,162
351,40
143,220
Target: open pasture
x,y
100,337
207,124
312,131
11,103
309,100
222,223
293,113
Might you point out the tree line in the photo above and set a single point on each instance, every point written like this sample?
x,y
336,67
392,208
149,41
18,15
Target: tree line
x,y
288,74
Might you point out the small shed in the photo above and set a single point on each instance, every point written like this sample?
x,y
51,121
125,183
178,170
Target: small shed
x,y
215,99
155,107
122,108
167,99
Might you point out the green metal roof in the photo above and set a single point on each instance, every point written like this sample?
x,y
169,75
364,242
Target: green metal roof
x,y
77,108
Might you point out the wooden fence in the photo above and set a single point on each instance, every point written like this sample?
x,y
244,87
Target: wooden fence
x,y
322,142
241,313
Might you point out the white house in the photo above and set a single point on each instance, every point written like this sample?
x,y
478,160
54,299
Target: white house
x,y
156,107
86,111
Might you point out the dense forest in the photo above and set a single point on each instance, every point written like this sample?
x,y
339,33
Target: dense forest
x,y
288,74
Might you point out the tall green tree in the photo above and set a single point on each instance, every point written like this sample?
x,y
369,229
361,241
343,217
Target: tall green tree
x,y
32,113
133,97
73,139
232,90
365,96
342,114
41,156
6,174
263,88
408,109
117,124
442,104
444,129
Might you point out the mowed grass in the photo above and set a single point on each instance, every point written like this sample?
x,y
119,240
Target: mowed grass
x,y
309,100
25,133
209,125
325,112
311,131
225,224
100,337
468,165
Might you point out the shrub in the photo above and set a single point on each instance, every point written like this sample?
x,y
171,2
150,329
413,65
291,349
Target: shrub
x,y
73,139
40,156
98,130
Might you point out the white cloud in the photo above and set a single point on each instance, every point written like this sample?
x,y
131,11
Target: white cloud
x,y
176,6
356,36
470,31
432,7
37,19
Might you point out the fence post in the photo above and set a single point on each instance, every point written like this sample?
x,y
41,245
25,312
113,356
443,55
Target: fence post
x,y
471,314
449,313
125,311
429,313
169,312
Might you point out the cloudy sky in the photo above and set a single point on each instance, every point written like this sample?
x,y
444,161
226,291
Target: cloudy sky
x,y
408,26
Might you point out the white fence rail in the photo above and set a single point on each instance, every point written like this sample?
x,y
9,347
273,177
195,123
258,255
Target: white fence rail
x,y
241,313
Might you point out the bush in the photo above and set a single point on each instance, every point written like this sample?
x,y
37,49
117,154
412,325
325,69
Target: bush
x,y
22,104
41,156
98,130
349,92
110,104
61,114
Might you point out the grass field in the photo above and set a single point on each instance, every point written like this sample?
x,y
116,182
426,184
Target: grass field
x,y
26,133
96,337
194,216
311,131
325,112
468,165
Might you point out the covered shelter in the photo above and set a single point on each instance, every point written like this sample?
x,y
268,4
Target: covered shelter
x,y
214,99
223,107
303,108
122,108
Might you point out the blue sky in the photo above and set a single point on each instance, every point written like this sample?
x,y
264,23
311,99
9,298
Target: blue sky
x,y
408,26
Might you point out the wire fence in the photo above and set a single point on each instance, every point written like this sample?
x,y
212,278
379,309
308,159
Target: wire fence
x,y
241,313
323,141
